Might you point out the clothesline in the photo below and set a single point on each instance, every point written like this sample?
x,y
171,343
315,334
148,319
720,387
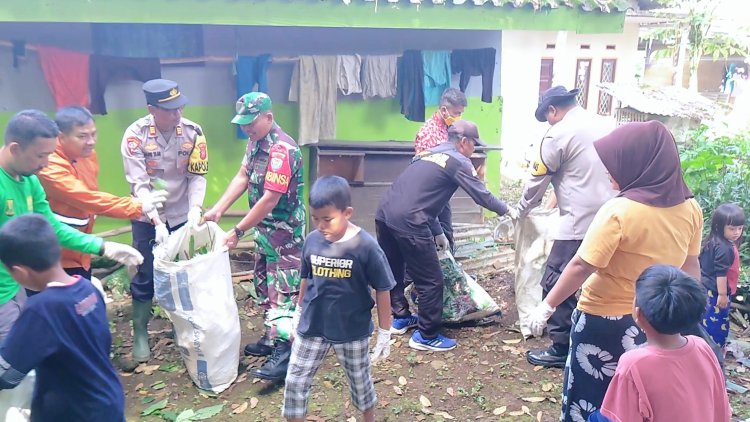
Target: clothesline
x,y
182,60
188,60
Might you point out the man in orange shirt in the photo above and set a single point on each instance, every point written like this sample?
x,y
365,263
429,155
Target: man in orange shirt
x,y
70,181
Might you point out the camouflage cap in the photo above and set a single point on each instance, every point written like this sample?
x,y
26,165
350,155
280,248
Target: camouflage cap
x,y
250,106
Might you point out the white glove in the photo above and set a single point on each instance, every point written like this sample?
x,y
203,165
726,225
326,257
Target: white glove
x,y
382,346
194,217
539,317
441,241
152,202
162,234
513,213
123,254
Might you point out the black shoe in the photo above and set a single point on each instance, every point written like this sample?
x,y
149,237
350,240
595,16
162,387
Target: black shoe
x,y
261,348
275,367
549,358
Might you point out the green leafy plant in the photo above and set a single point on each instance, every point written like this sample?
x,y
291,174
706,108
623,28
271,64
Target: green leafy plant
x,y
717,169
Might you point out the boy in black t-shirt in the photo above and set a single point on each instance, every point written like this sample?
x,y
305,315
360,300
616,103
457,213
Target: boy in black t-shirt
x,y
340,263
62,332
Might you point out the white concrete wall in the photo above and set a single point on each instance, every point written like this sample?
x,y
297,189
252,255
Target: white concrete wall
x,y
522,52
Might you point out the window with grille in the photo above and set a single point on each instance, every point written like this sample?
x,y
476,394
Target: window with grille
x,y
583,77
545,75
608,75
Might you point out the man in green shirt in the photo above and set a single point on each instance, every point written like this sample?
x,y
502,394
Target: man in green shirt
x,y
30,138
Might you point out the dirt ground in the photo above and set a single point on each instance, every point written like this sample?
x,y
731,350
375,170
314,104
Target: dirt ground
x,y
486,378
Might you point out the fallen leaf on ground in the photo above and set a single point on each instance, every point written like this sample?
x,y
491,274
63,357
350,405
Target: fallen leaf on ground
x,y
402,380
425,401
512,341
516,413
253,402
547,386
426,411
146,369
499,410
446,415
185,415
539,416
241,408
450,391
538,368
526,410
398,390
154,407
207,412
139,386
533,399
352,419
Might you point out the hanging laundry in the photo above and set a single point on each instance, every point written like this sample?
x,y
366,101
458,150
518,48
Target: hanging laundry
x,y
476,62
437,75
251,71
350,67
19,51
379,76
67,74
410,86
314,84
106,69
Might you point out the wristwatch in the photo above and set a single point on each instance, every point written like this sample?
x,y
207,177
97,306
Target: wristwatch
x,y
238,232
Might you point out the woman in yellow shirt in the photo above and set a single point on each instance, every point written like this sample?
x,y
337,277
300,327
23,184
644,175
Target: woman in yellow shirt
x,y
653,220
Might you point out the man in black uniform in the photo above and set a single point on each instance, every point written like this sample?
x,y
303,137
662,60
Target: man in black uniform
x,y
408,229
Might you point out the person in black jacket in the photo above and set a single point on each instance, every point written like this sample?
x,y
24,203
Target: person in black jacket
x,y
720,268
408,230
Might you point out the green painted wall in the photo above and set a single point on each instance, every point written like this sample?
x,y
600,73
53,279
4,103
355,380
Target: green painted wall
x,y
317,13
376,120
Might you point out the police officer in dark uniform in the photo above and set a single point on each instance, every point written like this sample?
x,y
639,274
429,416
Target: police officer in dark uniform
x,y
408,230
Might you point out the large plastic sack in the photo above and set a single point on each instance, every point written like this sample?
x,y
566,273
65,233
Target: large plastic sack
x,y
15,403
193,285
463,298
534,236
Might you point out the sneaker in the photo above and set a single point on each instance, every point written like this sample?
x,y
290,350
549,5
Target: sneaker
x,y
402,325
440,343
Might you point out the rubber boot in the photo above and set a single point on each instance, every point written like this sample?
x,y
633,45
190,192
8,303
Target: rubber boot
x,y
275,367
141,316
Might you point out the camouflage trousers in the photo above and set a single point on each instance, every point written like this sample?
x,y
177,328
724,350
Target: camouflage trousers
x,y
277,281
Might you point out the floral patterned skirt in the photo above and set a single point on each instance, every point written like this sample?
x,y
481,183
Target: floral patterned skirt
x,y
596,344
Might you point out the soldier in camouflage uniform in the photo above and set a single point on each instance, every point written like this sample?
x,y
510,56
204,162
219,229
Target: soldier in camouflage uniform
x,y
271,172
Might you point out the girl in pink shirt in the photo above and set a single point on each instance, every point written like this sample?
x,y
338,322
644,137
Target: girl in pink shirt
x,y
673,377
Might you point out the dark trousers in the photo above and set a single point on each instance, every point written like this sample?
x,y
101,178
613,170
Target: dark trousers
x,y
84,273
446,222
445,218
416,254
142,284
558,326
